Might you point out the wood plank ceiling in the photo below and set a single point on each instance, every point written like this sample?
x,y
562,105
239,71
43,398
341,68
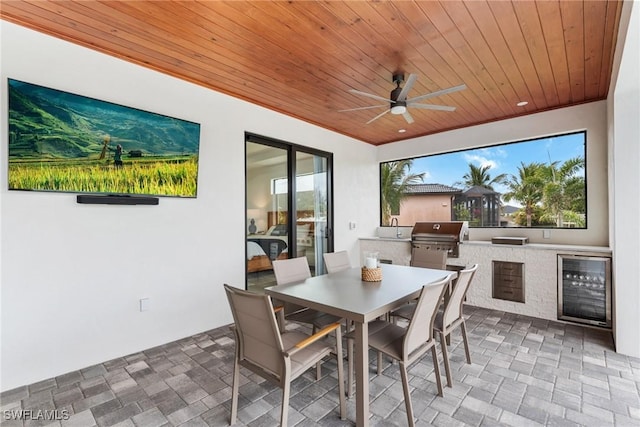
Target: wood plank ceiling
x,y
302,58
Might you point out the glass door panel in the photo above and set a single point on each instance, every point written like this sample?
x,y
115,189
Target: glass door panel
x,y
267,213
311,204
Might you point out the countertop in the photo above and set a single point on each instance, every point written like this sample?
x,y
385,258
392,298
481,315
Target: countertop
x,y
387,239
538,246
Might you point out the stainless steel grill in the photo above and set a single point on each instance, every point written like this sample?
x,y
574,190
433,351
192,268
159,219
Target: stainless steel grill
x,y
444,236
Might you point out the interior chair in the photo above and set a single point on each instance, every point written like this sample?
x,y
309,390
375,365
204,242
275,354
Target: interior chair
x,y
336,261
452,317
279,357
409,344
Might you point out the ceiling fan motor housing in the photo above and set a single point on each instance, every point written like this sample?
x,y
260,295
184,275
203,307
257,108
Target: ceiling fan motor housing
x,y
398,78
397,107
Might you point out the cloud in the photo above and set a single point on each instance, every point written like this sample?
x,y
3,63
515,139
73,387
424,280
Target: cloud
x,y
493,152
481,161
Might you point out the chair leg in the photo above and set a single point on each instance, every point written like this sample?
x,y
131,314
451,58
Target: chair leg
x,y
436,369
349,368
234,391
318,371
343,403
445,356
463,328
407,395
286,390
379,370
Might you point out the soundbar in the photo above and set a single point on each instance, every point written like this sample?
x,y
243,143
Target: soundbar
x,y
112,199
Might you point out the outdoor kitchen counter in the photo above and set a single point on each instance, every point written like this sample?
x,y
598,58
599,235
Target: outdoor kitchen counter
x,y
540,270
387,239
543,246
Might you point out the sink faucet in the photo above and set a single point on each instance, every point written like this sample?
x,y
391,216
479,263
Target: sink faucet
x,y
398,232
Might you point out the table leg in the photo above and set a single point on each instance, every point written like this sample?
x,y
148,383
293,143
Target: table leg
x,y
362,374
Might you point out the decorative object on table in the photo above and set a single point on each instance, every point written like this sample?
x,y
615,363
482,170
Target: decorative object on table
x,y
371,272
252,226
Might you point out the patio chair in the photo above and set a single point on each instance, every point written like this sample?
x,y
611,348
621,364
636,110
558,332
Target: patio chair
x,y
336,261
294,270
429,258
452,317
279,357
426,258
406,345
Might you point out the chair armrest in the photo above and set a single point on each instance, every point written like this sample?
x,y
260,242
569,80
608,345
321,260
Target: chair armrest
x,y
313,338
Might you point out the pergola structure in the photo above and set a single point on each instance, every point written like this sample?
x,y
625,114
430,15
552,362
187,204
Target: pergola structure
x,y
481,207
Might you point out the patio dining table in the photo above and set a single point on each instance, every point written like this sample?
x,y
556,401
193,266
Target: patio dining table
x,y
346,295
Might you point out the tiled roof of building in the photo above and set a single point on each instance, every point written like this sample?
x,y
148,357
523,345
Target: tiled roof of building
x,y
479,190
431,189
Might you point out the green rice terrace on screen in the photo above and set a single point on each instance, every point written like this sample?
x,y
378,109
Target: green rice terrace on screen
x,y
59,141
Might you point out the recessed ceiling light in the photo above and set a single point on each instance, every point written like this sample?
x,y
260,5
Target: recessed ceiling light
x,y
402,130
522,103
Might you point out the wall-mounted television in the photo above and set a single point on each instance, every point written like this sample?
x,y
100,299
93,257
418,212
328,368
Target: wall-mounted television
x,y
60,141
533,183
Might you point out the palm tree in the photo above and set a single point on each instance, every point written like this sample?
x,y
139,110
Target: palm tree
x,y
559,190
479,176
526,188
395,177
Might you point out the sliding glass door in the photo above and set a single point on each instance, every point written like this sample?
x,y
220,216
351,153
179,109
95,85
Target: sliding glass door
x,y
288,199
312,207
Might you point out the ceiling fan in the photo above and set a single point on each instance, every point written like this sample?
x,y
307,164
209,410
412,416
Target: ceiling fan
x,y
398,101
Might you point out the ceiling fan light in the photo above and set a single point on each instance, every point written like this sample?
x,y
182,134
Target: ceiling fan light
x,y
398,109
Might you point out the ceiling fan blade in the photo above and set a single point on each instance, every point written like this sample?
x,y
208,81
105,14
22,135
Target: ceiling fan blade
x,y
407,117
378,116
438,93
364,108
432,107
370,95
407,87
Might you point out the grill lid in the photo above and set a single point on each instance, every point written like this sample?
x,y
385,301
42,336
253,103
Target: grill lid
x,y
452,231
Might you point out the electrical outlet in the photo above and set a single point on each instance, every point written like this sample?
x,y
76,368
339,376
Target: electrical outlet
x,y
546,234
144,304
352,226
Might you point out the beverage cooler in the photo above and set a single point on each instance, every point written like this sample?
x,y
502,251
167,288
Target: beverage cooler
x,y
584,289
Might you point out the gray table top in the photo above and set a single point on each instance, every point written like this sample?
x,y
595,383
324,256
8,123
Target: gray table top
x,y
345,294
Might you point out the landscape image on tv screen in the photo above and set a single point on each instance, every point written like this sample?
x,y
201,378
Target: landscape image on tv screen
x,y
59,141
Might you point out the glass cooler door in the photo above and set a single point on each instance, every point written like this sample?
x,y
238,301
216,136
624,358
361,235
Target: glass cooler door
x,y
584,289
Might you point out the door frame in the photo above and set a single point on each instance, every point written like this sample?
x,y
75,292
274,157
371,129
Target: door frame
x,y
291,150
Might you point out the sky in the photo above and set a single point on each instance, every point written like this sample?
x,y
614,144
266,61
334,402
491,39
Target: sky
x,y
448,168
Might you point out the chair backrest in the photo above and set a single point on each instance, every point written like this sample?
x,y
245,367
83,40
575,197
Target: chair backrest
x,y
336,261
257,335
291,270
420,329
453,309
429,258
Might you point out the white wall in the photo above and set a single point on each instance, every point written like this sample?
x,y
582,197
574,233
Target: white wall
x,y
72,275
591,117
624,131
